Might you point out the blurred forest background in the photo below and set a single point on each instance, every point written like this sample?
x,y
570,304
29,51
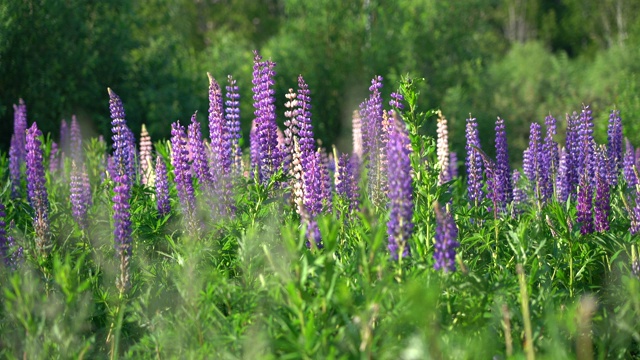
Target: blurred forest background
x,y
517,59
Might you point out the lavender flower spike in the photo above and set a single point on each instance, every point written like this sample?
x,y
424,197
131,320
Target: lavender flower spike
x,y
80,194
503,170
602,207
76,141
162,187
183,178
232,111
614,146
445,241
122,228
473,163
269,157
585,204
36,189
400,225
123,145
628,163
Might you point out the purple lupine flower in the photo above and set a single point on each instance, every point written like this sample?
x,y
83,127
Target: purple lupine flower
x,y
36,188
10,253
563,185
473,163
232,111
586,144
400,225
180,162
634,216
550,159
146,160
442,149
519,195
585,204
628,162
199,161
80,194
218,133
445,241
162,187
343,179
76,141
503,170
269,155
123,141
572,148
396,101
374,136
122,227
313,234
254,146
453,165
614,145
313,183
532,163
65,137
53,158
326,183
4,240
602,207
17,150
305,130
14,166
19,128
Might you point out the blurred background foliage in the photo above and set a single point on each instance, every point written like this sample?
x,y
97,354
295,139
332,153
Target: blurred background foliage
x,y
517,59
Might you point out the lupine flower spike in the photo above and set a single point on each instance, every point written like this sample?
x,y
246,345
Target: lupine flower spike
x,y
36,189
269,157
446,241
122,171
400,225
162,187
146,160
443,149
473,163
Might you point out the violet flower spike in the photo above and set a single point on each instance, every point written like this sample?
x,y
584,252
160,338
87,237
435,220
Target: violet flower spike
x,y
80,195
628,162
182,171
232,111
14,166
602,207
473,163
503,170
199,161
400,224
122,228
76,141
36,188
614,146
162,187
445,241
53,158
585,204
269,156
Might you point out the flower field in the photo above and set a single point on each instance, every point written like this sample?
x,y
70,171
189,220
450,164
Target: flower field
x,y
278,246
